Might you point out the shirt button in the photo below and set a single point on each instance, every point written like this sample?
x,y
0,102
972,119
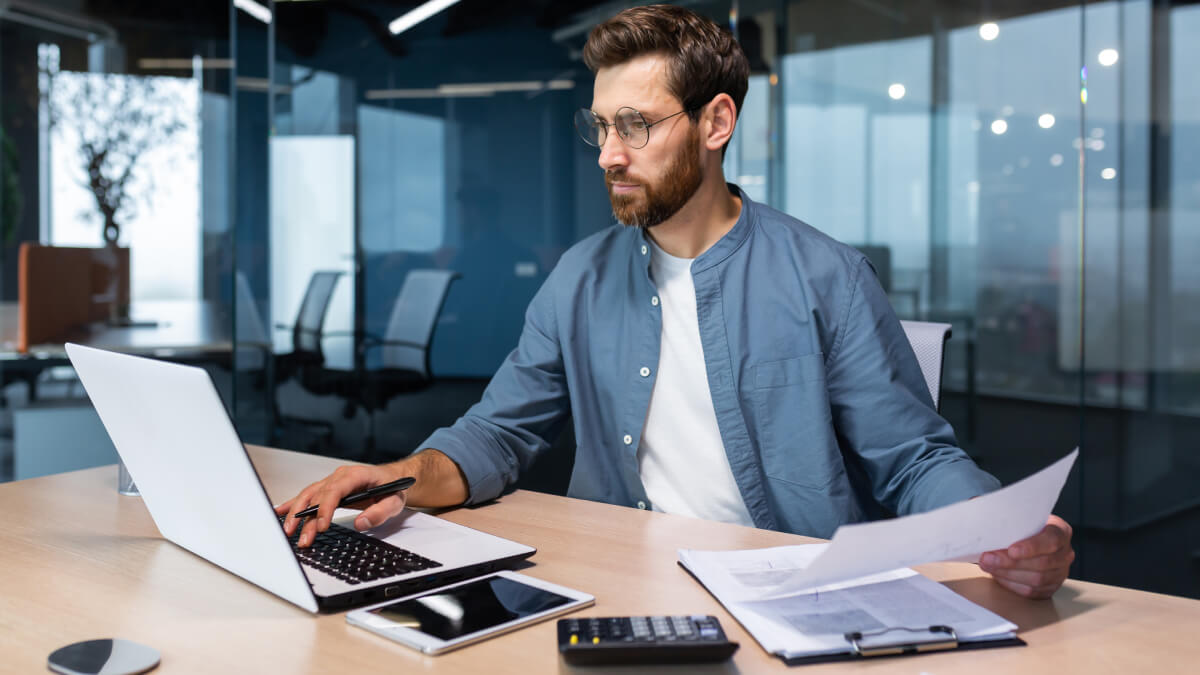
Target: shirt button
x,y
643,249
654,301
641,505
628,439
644,371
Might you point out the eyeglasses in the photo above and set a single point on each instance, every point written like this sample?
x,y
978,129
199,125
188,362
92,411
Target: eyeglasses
x,y
633,129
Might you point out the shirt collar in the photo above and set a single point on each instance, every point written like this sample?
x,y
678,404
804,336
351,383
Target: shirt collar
x,y
727,244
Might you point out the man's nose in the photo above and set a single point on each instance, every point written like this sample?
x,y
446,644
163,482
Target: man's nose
x,y
613,152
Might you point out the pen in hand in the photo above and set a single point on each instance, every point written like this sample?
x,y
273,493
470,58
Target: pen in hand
x,y
377,491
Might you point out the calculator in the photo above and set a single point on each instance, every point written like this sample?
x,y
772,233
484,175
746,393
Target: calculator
x,y
631,640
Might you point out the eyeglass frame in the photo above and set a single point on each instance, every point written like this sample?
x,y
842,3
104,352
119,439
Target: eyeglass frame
x,y
614,123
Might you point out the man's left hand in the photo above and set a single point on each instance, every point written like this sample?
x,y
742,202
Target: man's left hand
x,y
1033,567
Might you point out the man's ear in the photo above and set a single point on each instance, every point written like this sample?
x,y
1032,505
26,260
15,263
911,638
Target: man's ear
x,y
720,118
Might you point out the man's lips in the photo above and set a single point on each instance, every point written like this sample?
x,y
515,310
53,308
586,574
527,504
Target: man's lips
x,y
624,187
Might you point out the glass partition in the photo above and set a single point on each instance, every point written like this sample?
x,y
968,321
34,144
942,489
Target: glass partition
x,y
116,133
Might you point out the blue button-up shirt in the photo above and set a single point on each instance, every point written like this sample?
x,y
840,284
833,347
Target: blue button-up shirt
x,y
823,411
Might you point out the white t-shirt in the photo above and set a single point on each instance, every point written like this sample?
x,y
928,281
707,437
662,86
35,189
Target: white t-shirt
x,y
681,457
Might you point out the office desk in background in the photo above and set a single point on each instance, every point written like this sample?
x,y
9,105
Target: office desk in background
x,y
81,562
183,329
189,326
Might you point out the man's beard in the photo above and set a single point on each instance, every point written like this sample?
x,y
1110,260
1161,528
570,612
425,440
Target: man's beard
x,y
660,201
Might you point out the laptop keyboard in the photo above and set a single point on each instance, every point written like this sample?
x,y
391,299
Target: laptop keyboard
x,y
354,557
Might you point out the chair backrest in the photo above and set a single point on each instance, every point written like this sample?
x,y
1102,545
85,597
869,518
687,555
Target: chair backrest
x,y
306,332
928,341
62,288
250,326
253,340
414,315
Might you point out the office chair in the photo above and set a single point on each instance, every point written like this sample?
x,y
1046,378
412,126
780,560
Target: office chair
x,y
253,348
253,353
928,341
306,361
404,348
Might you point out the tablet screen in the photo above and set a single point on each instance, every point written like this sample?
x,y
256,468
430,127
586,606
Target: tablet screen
x,y
470,608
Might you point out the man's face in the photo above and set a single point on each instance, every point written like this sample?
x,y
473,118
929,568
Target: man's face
x,y
646,185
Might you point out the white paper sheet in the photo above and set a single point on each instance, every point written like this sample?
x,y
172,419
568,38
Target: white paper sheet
x,y
960,531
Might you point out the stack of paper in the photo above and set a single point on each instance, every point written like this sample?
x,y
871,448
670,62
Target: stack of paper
x,y
814,622
800,601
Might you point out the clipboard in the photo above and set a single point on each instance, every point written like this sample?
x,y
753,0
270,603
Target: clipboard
x,y
884,642
901,641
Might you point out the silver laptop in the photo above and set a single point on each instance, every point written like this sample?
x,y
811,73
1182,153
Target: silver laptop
x,y
173,433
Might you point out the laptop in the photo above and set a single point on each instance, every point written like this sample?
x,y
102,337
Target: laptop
x,y
173,433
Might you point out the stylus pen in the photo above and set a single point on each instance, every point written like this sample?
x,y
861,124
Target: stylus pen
x,y
377,491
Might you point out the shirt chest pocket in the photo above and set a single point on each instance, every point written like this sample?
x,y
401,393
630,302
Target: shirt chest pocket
x,y
795,423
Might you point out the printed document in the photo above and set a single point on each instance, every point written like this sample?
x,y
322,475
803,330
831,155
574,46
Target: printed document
x,y
959,531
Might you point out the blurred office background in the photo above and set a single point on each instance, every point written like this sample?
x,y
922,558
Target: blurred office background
x,y
326,194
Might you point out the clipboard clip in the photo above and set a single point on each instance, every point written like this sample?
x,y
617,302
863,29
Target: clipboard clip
x,y
909,640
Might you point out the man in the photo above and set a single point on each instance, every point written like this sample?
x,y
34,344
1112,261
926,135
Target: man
x,y
722,360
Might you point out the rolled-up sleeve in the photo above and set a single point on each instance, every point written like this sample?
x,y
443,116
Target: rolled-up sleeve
x,y
521,412
884,414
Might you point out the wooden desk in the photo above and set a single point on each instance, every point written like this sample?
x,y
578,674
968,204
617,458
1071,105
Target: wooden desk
x,y
81,562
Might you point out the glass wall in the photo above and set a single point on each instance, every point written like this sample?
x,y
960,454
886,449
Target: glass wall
x,y
1023,171
116,134
1017,173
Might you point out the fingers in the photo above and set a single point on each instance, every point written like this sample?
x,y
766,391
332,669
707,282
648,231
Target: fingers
x,y
379,512
1037,592
1054,537
997,560
1035,567
295,505
327,493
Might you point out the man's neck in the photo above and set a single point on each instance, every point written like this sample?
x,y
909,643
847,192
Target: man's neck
x,y
703,220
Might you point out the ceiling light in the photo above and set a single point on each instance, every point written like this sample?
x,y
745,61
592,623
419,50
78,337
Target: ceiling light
x,y
896,91
989,31
254,9
1107,57
418,15
1046,120
999,127
1108,173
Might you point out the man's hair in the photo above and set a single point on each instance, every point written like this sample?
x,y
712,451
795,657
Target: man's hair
x,y
703,59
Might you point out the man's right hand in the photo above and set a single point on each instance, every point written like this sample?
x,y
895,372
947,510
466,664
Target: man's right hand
x,y
329,491
439,483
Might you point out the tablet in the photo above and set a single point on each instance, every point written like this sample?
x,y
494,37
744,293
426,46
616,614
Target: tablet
x,y
454,616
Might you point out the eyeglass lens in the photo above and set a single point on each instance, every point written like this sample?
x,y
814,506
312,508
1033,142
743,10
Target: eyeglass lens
x,y
629,123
